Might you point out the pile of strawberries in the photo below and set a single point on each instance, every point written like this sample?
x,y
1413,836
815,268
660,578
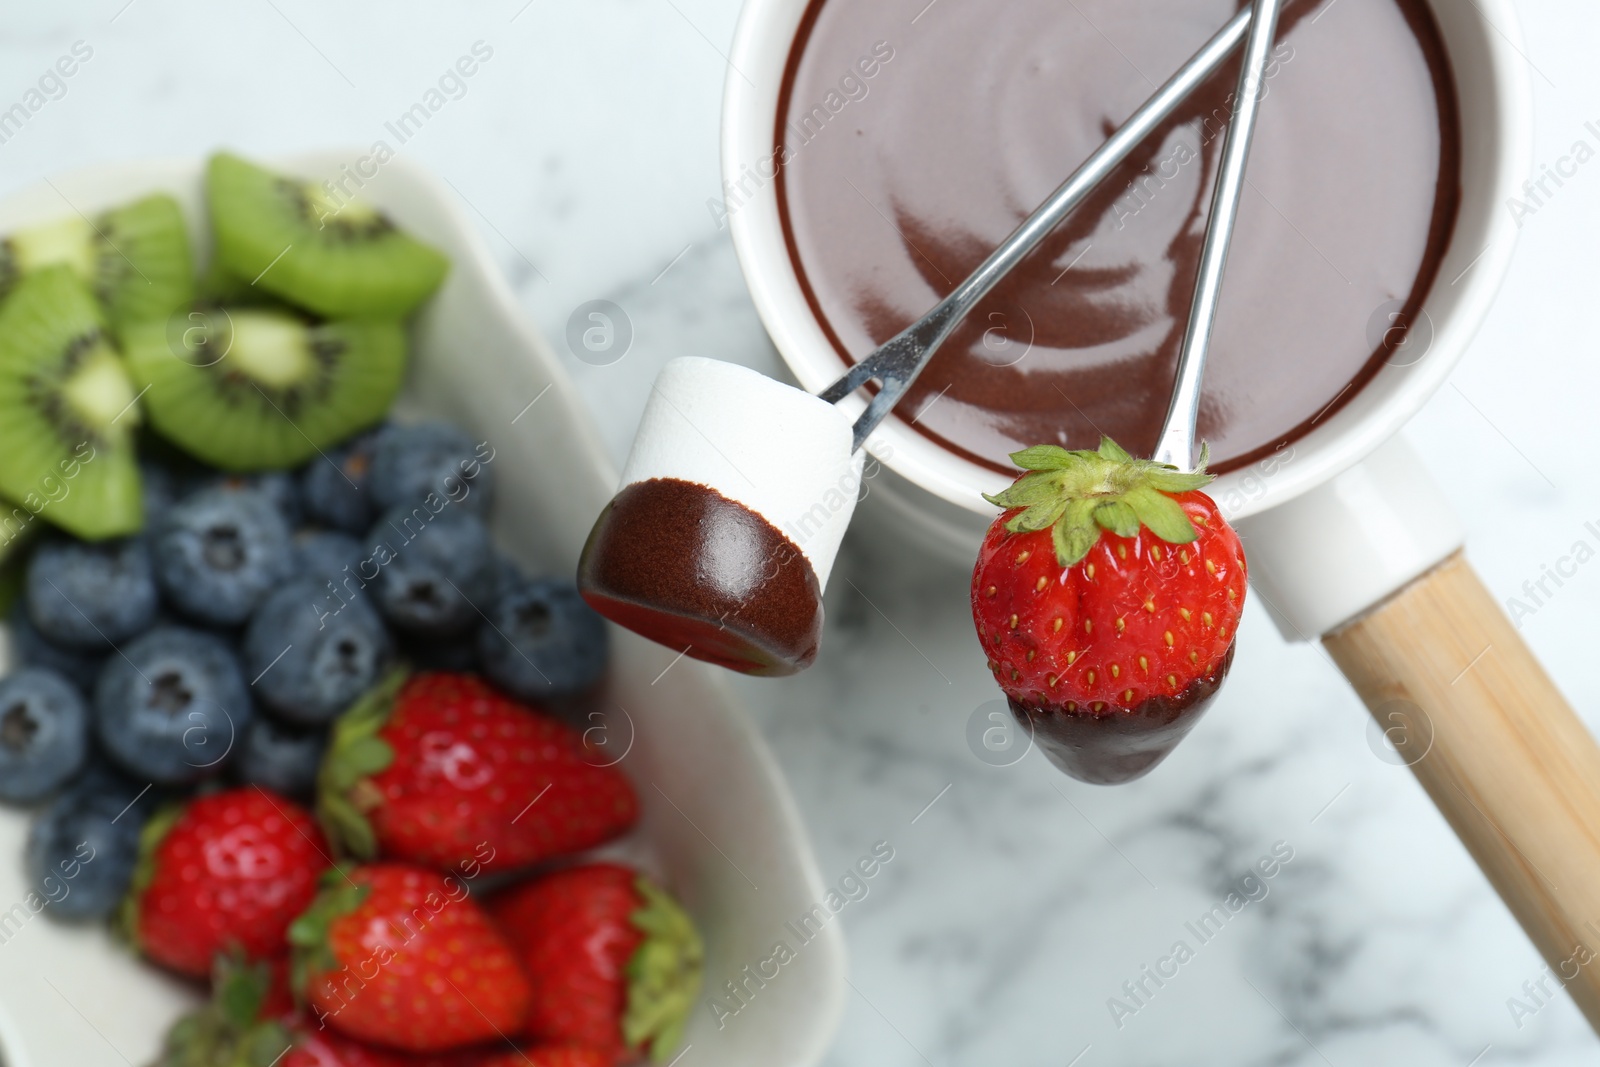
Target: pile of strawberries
x,y
364,936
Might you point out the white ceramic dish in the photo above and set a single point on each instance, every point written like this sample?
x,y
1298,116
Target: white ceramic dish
x,y
718,819
936,495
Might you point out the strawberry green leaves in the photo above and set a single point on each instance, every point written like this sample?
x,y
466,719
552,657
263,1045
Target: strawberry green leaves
x,y
355,753
1161,514
308,935
1075,532
1118,516
1078,493
663,975
230,1029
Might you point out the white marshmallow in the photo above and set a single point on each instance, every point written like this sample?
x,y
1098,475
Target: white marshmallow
x,y
780,452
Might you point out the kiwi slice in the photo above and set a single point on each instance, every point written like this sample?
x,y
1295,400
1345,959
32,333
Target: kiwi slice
x,y
67,411
255,388
134,258
220,286
18,532
321,250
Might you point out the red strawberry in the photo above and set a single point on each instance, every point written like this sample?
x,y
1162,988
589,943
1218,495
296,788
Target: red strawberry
x,y
541,1056
401,956
1107,597
547,1056
277,999
227,871
442,770
251,1022
329,1048
615,962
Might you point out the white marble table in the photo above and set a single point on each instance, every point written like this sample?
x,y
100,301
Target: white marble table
x,y
1018,901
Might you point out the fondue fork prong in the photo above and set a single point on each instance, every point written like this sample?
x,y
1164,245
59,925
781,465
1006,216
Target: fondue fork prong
x,y
896,364
1176,443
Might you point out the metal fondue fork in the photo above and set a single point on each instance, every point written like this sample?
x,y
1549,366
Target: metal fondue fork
x,y
896,363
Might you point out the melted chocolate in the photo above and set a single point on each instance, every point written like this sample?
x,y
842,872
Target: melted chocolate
x,y
896,183
1115,745
688,568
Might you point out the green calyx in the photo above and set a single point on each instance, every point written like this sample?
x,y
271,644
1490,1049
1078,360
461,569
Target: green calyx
x,y
229,1031
1077,494
355,754
239,989
144,871
663,973
309,947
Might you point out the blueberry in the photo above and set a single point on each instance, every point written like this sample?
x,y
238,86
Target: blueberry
x,y
90,596
433,570
82,849
325,554
30,648
410,463
219,552
170,707
280,758
333,487
542,641
281,488
44,734
508,574
309,654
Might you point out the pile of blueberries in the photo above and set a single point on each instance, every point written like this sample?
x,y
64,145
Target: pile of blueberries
x,y
222,641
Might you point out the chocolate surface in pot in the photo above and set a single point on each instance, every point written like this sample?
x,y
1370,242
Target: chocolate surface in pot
x,y
913,139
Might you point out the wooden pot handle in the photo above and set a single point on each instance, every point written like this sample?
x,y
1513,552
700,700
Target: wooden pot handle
x,y
1499,750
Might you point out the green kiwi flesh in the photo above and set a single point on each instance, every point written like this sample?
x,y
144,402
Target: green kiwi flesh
x,y
135,258
251,388
334,255
67,410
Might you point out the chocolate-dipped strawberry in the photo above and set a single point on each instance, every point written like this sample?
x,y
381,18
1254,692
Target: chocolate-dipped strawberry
x,y
1107,596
